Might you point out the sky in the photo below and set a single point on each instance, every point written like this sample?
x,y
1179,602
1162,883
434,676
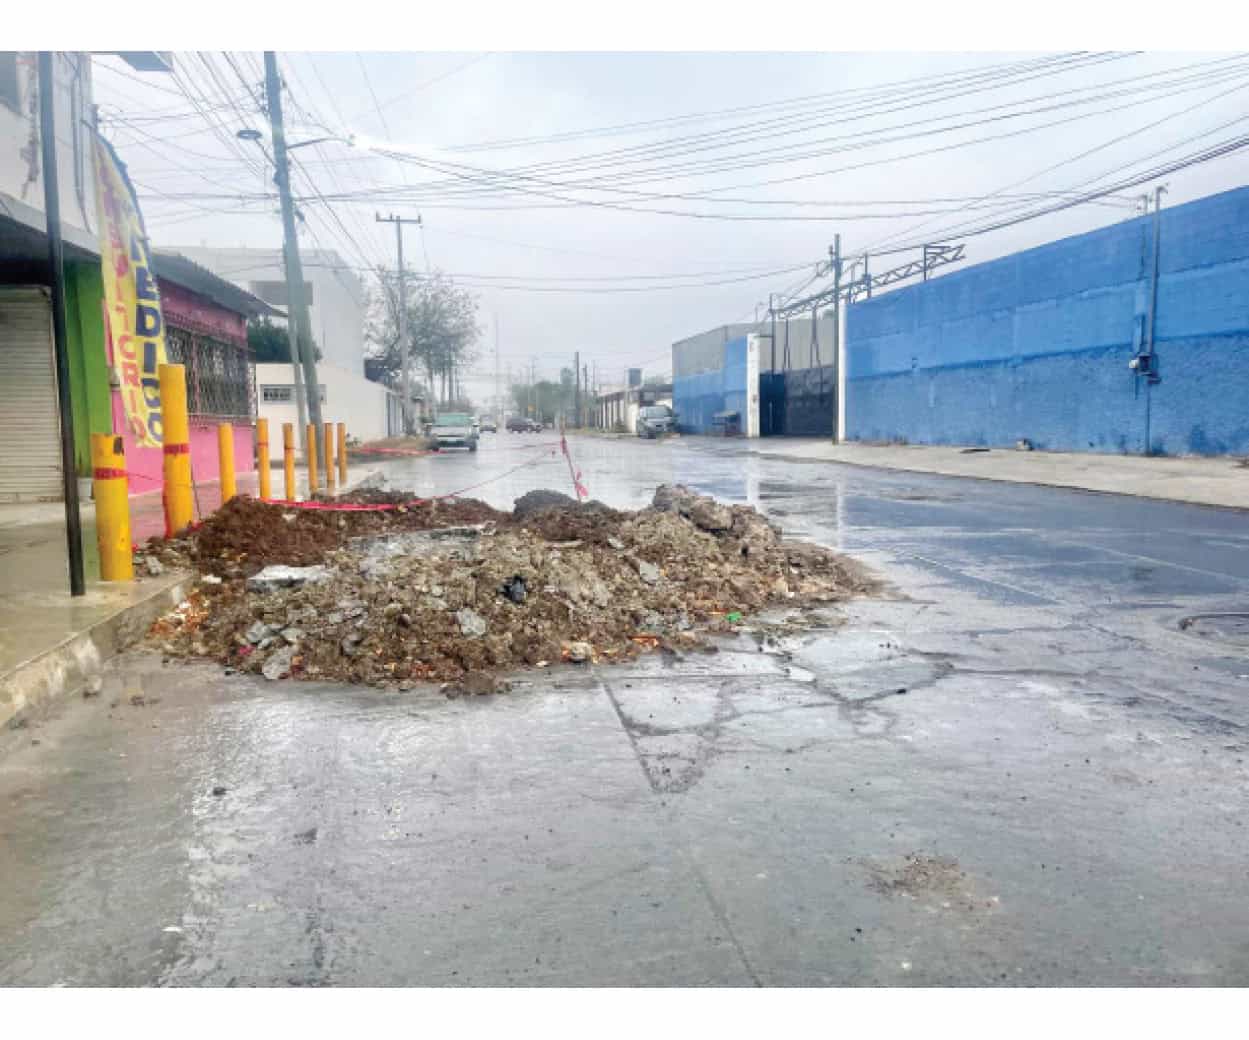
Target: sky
x,y
859,148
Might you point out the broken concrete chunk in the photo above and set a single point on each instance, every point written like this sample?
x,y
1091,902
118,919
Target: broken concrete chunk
x,y
278,576
472,624
154,567
711,516
278,664
648,572
258,632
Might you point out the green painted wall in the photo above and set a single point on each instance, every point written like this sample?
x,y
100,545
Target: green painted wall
x,y
88,362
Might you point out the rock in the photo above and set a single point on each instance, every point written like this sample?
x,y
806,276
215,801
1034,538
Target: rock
x,y
472,624
258,633
648,572
392,610
278,664
579,653
515,589
292,634
278,576
154,567
209,579
703,511
350,642
711,516
615,542
218,791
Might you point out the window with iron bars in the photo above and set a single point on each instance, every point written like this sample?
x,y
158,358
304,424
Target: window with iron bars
x,y
220,380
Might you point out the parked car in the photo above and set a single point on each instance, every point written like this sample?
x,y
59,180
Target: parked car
x,y
523,424
455,430
655,420
488,425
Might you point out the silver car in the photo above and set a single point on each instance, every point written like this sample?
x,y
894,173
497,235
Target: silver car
x,y
655,420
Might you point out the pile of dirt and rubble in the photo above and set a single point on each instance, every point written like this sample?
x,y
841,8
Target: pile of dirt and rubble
x,y
457,591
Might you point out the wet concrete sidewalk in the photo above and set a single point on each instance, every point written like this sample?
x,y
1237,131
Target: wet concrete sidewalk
x,y
47,636
1212,480
1018,768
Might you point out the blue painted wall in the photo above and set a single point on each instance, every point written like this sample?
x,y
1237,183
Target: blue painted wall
x,y
696,398
1037,344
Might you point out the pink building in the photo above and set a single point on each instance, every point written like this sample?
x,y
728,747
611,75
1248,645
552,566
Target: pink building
x,y
206,331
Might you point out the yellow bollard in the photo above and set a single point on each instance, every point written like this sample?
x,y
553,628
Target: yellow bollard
x,y
342,454
110,490
329,458
262,458
288,459
225,461
177,449
310,450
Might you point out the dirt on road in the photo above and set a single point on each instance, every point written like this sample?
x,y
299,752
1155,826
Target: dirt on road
x,y
458,591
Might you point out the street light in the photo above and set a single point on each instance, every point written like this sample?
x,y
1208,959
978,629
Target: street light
x,y
250,134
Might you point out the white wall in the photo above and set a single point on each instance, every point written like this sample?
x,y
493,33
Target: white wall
x,y
338,299
19,129
348,398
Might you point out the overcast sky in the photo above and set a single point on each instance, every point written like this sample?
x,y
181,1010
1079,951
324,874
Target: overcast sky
x,y
433,107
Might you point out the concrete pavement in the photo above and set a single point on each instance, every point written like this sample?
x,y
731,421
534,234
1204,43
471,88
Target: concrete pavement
x,y
1025,765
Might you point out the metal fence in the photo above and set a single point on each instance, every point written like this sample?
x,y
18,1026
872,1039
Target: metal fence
x,y
220,382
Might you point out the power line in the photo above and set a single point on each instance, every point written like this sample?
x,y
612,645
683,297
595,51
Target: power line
x,y
428,83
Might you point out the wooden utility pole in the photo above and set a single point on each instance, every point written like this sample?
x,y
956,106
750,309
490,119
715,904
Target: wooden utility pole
x,y
405,348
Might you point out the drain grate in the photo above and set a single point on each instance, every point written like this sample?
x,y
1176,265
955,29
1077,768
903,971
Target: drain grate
x,y
1231,627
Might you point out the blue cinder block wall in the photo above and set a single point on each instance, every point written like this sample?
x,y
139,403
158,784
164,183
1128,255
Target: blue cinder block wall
x,y
1036,345
697,398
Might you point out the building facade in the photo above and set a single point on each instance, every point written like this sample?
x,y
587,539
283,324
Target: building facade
x,y
336,308
1052,345
336,297
205,316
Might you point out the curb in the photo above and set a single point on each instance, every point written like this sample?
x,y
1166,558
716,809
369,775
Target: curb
x,y
34,686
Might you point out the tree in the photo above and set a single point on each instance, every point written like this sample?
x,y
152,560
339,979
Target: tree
x,y
442,331
543,400
270,343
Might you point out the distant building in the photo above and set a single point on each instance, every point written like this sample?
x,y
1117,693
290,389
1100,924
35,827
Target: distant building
x,y
336,308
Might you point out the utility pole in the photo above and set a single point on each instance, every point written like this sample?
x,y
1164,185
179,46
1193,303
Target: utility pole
x,y
498,396
576,372
60,340
405,348
834,259
298,325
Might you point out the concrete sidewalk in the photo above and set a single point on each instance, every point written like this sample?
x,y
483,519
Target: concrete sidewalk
x,y
51,642
1221,481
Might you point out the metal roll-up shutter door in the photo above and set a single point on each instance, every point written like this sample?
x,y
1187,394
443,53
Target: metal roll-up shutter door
x,y
29,420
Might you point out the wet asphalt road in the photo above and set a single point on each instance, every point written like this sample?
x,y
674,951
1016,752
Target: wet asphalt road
x,y
1016,768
